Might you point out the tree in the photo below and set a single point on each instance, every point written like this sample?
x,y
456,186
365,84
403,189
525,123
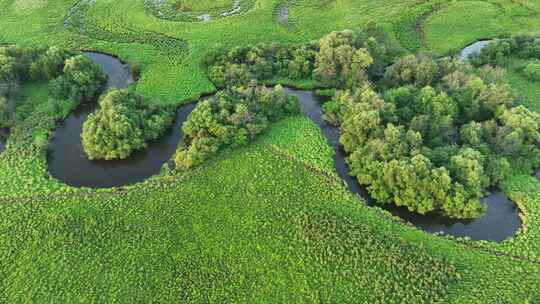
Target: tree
x,y
125,122
50,64
80,81
532,70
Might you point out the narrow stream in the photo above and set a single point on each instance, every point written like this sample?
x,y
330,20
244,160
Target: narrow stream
x,y
500,221
474,48
68,162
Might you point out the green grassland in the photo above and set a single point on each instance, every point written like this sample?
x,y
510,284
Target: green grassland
x,y
459,23
269,222
203,5
110,26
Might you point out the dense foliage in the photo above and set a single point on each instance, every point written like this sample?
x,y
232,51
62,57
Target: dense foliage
x,y
125,122
81,80
69,76
232,117
437,136
339,59
498,52
141,232
532,70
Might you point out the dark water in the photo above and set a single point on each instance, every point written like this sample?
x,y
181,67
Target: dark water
x,y
500,221
3,139
68,162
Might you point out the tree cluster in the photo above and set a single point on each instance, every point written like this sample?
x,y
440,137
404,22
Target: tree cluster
x,y
339,59
69,76
80,81
124,123
439,134
497,52
231,118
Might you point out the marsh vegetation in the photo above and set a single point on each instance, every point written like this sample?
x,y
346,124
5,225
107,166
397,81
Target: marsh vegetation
x,y
256,210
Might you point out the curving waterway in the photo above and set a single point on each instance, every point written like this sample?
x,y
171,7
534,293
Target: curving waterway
x,y
500,221
68,162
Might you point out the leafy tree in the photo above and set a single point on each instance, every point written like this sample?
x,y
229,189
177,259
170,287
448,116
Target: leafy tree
x,y
419,70
497,53
80,81
340,59
50,64
124,123
231,117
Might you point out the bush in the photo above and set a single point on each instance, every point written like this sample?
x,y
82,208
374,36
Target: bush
x,y
532,70
231,117
125,122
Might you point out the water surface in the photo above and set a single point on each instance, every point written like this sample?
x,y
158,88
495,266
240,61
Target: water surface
x,y
3,138
68,162
473,49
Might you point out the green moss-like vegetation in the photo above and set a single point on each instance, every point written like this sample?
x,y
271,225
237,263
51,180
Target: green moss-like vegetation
x,y
267,222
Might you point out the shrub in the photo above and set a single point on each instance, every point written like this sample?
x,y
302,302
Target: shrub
x,y
532,70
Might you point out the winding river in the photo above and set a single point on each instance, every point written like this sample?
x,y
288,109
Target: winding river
x,y
68,163
499,222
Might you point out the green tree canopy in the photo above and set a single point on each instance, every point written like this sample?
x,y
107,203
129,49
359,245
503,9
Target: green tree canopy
x,y
439,134
232,117
124,123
